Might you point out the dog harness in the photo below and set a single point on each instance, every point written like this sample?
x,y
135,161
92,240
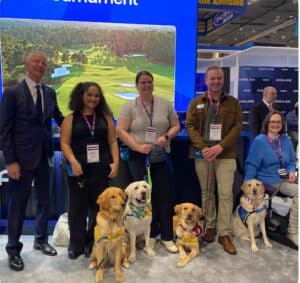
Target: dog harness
x,y
244,214
108,236
137,212
196,232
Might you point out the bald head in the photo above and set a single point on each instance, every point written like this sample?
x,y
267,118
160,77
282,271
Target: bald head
x,y
36,65
269,94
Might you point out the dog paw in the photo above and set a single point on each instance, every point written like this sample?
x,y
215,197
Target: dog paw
x,y
132,258
119,276
149,251
92,264
254,248
125,264
268,244
99,275
181,263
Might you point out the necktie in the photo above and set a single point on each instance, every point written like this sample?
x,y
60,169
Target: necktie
x,y
38,105
270,107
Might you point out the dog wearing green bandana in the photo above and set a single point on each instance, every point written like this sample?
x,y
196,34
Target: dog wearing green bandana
x,y
138,216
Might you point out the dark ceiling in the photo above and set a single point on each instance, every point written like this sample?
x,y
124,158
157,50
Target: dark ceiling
x,y
265,22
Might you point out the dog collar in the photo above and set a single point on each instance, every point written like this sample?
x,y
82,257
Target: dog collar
x,y
188,239
108,236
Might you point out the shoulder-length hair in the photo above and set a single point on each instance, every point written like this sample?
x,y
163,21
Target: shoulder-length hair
x,y
265,124
76,99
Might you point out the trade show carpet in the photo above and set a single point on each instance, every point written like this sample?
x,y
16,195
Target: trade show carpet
x,y
276,265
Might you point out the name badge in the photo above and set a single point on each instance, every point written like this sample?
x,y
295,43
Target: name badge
x,y
215,131
282,172
200,106
150,135
92,152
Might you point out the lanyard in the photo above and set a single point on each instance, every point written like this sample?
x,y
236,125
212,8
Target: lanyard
x,y
91,127
277,150
149,114
212,101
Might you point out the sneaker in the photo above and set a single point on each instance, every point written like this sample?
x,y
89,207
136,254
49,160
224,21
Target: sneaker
x,y
170,246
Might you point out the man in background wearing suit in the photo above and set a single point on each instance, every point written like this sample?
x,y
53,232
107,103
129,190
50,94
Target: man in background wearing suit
x,y
260,110
26,138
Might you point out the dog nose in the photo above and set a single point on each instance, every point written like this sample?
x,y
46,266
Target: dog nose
x,y
190,216
143,194
255,191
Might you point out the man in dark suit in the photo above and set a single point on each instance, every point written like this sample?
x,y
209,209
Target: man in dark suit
x,y
260,110
26,138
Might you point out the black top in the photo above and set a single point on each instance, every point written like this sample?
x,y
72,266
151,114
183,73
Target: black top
x,y
81,137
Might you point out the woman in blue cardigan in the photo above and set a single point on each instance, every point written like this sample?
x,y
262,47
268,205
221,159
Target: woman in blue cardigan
x,y
271,160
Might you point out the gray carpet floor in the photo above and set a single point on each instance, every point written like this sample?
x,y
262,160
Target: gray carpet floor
x,y
276,265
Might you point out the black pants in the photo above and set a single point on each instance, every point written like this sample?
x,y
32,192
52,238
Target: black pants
x,y
19,193
82,205
162,195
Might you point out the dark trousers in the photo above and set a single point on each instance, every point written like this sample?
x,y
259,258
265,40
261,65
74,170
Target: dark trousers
x,y
162,194
82,205
19,192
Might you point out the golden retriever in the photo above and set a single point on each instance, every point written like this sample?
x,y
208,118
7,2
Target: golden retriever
x,y
109,234
138,216
249,217
187,230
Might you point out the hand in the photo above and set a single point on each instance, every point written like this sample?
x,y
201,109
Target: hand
x,y
292,177
161,141
144,148
113,170
211,153
14,170
76,167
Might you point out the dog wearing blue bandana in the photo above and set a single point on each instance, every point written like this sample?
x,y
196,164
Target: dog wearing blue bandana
x,y
138,216
249,217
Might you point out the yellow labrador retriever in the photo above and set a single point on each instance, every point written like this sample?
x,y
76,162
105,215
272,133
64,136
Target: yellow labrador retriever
x,y
138,216
109,234
249,217
187,230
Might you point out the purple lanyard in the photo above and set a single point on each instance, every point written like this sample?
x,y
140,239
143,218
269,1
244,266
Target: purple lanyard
x,y
277,150
149,114
91,127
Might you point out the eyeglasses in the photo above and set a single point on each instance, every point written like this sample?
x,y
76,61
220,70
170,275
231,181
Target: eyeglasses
x,y
275,122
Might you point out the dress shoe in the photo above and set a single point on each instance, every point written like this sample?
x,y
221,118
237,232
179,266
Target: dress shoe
x,y
74,254
15,263
170,246
87,251
45,248
210,235
228,246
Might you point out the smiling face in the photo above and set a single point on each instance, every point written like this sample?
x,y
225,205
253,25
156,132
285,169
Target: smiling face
x,y
91,98
145,85
138,193
275,125
36,66
215,81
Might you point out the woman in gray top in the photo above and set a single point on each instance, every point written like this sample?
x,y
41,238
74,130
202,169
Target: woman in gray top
x,y
144,123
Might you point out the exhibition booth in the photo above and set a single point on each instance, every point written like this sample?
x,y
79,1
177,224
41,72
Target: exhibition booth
x,y
176,69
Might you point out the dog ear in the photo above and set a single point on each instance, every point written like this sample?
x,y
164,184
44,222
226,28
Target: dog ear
x,y
128,190
198,211
103,200
244,186
177,209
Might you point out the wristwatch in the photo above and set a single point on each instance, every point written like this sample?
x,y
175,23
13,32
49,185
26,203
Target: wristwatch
x,y
166,137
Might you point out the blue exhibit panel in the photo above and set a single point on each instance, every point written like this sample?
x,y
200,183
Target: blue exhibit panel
x,y
179,14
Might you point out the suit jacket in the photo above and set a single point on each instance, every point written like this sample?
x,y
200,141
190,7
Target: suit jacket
x,y
23,137
257,115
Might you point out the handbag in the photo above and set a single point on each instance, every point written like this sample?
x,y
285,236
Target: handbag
x,y
157,154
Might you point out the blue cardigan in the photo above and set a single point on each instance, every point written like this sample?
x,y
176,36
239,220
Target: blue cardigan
x,y
262,162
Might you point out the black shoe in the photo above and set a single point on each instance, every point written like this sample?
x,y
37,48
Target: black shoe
x,y
87,251
46,248
15,263
73,254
